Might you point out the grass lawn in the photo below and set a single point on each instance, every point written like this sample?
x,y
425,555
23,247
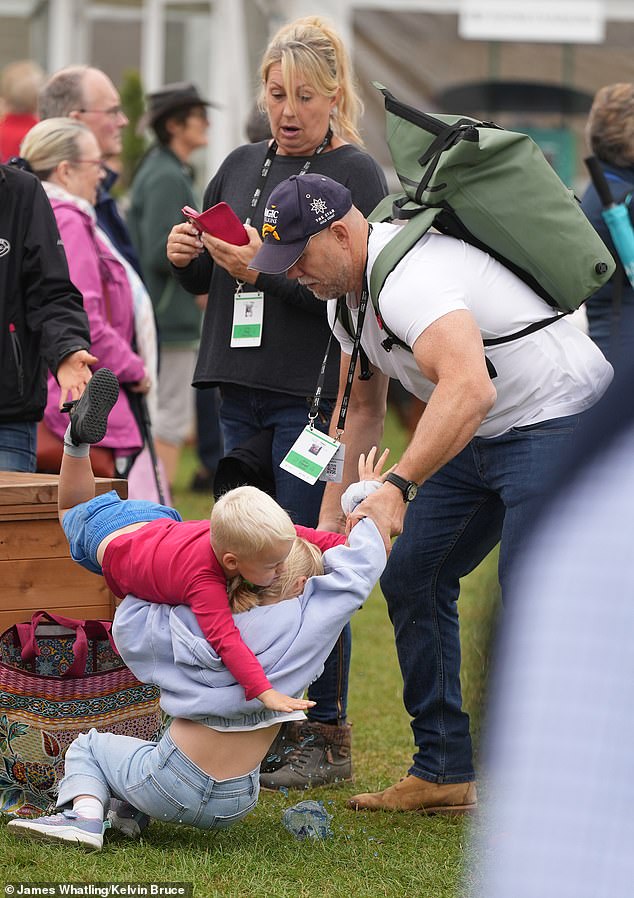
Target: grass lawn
x,y
371,855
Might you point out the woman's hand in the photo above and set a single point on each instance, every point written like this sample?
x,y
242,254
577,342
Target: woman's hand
x,y
183,244
234,259
141,386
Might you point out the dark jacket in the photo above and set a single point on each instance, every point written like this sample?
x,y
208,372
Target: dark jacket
x,y
161,187
110,221
42,318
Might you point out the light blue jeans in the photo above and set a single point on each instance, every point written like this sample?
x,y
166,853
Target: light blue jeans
x,y
156,778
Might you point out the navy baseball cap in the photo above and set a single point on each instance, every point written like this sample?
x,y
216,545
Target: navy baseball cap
x,y
297,209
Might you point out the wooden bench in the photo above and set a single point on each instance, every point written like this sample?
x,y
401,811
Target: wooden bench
x,y
36,570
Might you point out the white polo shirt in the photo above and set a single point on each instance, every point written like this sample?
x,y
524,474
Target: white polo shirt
x,y
554,372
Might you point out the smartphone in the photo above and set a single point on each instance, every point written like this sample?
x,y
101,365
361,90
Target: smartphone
x,y
219,221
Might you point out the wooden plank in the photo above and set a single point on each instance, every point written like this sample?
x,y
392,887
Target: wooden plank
x,y
103,611
18,489
23,575
32,539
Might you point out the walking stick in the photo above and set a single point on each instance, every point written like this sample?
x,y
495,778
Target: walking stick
x,y
146,426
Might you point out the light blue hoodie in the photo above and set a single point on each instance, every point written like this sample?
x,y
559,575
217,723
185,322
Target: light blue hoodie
x,y
164,645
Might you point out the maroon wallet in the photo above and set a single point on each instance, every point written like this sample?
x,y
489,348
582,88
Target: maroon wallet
x,y
219,221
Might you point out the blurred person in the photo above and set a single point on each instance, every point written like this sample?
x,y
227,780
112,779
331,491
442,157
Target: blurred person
x,y
313,110
557,817
19,85
487,443
87,94
64,154
610,135
44,325
164,183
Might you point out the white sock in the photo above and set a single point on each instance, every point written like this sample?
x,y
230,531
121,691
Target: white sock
x,y
70,448
90,808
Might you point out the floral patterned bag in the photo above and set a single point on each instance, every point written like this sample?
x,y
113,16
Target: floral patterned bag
x,y
60,677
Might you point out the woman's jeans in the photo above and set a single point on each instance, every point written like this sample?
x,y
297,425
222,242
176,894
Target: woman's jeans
x,y
157,779
17,446
487,493
245,412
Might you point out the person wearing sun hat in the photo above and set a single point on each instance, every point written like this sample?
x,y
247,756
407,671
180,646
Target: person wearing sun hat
x,y
483,454
162,185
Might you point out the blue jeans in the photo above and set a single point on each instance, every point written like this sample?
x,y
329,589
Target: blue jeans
x,y
486,494
157,779
17,447
244,412
208,436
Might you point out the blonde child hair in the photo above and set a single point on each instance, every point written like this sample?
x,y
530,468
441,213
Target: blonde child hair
x,y
246,521
304,560
311,47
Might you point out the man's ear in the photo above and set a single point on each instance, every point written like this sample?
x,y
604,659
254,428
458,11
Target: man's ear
x,y
341,233
74,113
229,562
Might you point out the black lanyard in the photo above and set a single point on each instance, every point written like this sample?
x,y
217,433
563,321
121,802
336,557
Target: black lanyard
x,y
266,167
356,348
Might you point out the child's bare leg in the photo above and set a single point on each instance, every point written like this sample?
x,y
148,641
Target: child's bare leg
x,y
76,482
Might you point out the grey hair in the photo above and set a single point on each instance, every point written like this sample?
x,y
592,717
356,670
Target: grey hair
x,y
63,92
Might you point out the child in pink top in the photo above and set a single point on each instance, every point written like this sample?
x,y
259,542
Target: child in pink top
x,y
148,550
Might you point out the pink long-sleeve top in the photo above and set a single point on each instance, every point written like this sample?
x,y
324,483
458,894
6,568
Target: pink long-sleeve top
x,y
172,562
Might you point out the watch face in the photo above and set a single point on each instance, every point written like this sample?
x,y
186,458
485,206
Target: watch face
x,y
410,492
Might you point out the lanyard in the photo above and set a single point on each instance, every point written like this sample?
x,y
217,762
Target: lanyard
x,y
356,348
266,167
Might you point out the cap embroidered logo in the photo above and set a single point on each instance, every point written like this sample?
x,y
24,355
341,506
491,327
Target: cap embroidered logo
x,y
5,247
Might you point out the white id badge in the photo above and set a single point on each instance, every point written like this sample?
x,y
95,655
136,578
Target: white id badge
x,y
248,315
309,455
334,469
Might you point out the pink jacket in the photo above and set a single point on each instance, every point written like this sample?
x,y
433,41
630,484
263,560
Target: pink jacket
x,y
108,302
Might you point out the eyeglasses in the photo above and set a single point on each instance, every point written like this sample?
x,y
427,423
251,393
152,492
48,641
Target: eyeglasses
x,y
113,112
98,163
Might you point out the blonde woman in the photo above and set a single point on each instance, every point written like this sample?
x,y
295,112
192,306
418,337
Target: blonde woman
x,y
308,93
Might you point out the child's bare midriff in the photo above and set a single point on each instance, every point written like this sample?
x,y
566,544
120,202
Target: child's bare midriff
x,y
105,542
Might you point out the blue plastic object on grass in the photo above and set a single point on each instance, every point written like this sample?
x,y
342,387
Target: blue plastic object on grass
x,y
308,820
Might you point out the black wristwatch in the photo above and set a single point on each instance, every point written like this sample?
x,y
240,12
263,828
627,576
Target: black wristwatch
x,y
407,487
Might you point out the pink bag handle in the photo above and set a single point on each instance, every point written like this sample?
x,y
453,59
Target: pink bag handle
x,y
83,628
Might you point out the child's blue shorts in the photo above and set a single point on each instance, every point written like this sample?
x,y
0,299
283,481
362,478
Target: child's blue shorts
x,y
86,524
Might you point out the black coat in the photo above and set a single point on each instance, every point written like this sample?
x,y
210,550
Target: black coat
x,y
42,317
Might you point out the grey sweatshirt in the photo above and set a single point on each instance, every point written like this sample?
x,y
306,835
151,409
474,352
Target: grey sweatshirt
x,y
164,645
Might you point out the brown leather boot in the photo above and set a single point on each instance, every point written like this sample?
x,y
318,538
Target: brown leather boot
x,y
308,754
414,794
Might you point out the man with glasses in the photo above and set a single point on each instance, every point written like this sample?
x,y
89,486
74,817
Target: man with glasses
x,y
88,94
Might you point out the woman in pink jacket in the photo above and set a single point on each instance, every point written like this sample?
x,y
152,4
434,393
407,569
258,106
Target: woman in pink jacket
x,y
65,156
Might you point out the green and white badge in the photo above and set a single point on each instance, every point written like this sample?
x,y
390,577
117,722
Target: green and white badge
x,y
248,315
309,455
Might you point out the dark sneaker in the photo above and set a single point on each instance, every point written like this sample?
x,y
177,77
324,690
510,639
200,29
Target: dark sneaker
x,y
89,413
125,818
64,827
308,754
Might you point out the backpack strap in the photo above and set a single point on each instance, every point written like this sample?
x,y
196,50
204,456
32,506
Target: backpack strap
x,y
419,219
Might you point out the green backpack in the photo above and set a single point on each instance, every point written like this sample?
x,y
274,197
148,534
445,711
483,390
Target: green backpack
x,y
493,189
